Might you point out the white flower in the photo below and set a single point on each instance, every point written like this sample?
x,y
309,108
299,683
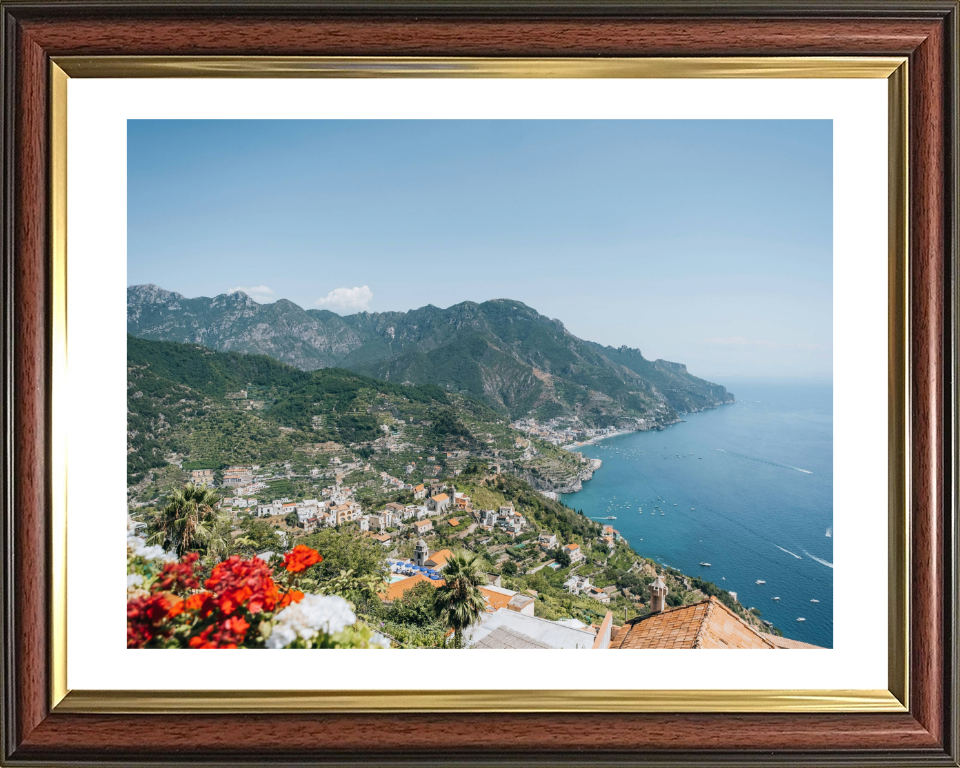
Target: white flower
x,y
134,580
151,553
379,641
314,614
281,636
137,547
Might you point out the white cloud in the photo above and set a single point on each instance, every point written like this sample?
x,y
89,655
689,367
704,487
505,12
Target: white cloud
x,y
257,292
346,300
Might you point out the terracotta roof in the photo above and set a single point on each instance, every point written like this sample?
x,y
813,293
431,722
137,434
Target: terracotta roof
x,y
423,523
572,546
438,498
706,624
396,590
440,557
454,521
495,600
786,642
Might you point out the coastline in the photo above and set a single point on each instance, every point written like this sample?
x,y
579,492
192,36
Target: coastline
x,y
637,471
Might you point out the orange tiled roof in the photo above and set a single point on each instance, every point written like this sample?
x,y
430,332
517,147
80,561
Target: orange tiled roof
x,y
440,557
439,497
454,521
706,624
495,600
396,590
786,642
572,546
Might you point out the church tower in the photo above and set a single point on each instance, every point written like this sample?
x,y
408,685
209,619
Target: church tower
x,y
421,554
658,595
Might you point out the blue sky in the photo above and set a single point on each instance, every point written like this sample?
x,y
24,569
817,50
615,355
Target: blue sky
x,y
702,242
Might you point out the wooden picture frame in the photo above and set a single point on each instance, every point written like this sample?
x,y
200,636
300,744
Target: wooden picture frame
x,y
41,725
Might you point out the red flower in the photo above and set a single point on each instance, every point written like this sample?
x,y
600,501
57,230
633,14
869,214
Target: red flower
x,y
246,584
300,558
225,635
178,577
145,619
196,602
293,596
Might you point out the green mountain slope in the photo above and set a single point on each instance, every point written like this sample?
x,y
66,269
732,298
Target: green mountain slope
x,y
213,407
501,352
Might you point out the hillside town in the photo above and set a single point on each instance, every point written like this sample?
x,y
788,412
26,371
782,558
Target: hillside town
x,y
545,583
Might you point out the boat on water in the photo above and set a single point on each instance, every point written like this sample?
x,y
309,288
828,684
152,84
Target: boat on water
x,y
705,565
830,532
692,509
801,619
814,601
761,581
776,598
663,514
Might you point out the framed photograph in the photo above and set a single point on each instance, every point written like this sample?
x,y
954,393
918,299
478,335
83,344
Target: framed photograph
x,y
338,336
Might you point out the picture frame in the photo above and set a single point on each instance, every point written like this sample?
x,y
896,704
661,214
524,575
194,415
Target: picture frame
x,y
912,45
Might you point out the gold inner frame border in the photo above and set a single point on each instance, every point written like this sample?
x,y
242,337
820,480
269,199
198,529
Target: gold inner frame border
x,y
894,699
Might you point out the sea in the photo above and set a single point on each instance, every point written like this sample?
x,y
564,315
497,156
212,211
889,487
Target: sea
x,y
746,487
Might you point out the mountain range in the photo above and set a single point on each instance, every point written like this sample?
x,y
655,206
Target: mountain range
x,y
501,352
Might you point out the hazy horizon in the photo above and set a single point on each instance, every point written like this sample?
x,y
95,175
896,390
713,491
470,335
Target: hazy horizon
x,y
707,243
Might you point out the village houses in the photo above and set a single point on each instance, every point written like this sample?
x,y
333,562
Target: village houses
x,y
574,551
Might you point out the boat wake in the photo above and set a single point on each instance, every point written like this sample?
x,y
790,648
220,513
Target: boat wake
x,y
814,557
829,533
765,461
788,551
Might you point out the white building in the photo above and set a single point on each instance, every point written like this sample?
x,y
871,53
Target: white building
x,y
508,629
576,554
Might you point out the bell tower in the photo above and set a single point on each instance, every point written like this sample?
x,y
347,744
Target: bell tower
x,y
421,554
658,595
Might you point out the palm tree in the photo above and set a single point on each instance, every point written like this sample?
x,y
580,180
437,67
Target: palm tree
x,y
460,599
190,523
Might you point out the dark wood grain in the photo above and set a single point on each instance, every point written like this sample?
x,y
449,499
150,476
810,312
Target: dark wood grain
x,y
927,319
30,388
924,32
425,36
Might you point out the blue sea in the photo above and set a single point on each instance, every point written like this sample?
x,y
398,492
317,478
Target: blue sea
x,y
746,487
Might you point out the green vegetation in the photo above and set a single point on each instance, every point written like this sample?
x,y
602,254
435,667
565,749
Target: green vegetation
x,y
189,523
502,352
460,600
191,408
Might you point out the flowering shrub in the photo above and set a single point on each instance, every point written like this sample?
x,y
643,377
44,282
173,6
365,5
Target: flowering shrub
x,y
240,605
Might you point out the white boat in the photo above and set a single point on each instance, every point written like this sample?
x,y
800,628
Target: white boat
x,y
705,565
776,598
761,581
801,619
692,509
814,601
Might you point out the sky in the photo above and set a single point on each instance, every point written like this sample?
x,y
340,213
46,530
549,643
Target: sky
x,y
708,243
